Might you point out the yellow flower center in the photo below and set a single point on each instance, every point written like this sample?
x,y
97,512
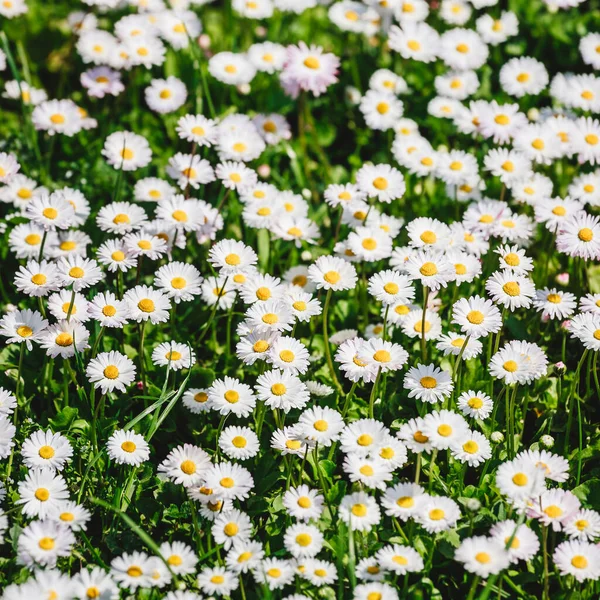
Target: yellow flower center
x,y
585,234
312,62
24,331
444,430
46,543
436,514
520,479
321,425
579,561
42,494
512,288
428,269
359,510
381,183
64,339
382,356
128,446
146,305
239,441
270,318
231,396
278,389
188,467
475,402
470,447
428,382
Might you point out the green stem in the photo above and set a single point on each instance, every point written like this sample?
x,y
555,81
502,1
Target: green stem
x,y
326,343
423,344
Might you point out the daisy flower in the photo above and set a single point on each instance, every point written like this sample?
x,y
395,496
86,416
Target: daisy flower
x,y
43,542
428,383
399,559
476,316
132,570
580,236
71,514
403,500
303,503
127,151
126,447
44,449
173,355
197,129
23,326
231,526
230,395
520,480
579,559
186,465
524,545
308,68
475,404
40,491
64,338
482,556
381,181
239,443
473,449
165,95
121,217
438,514
432,269
321,424
229,481
510,289
145,303
454,344
360,511
444,429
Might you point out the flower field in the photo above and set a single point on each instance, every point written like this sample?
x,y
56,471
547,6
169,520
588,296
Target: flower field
x,y
300,300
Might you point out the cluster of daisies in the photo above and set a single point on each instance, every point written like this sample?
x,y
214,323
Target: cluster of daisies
x,y
356,336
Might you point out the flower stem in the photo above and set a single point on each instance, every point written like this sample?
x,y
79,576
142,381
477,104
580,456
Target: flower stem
x,y
423,345
326,343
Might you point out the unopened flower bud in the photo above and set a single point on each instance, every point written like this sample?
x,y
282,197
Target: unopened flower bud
x,y
473,504
306,255
204,41
533,114
497,437
547,441
244,89
560,367
264,171
562,279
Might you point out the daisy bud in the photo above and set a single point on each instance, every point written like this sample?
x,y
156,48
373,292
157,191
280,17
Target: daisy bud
x,y
547,441
565,325
562,279
545,318
306,255
560,367
261,31
244,89
264,171
533,114
139,385
473,504
204,41
497,437
352,95
10,308
306,194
